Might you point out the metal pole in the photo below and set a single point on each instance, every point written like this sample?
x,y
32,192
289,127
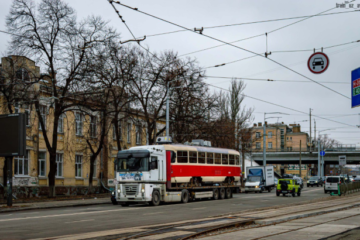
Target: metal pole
x,y
264,143
9,178
310,131
167,111
300,159
322,163
318,159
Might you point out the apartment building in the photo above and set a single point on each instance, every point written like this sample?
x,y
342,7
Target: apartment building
x,y
76,128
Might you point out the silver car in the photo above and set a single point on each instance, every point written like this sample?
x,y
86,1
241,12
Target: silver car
x,y
331,184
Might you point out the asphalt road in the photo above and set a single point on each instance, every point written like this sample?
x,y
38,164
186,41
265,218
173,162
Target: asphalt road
x,y
75,220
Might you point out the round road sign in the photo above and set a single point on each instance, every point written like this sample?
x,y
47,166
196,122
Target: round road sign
x,y
322,153
318,62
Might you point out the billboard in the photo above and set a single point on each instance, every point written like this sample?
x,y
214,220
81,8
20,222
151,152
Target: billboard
x,y
296,167
12,135
355,88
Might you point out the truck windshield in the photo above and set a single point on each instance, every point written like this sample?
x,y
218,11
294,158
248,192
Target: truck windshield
x,y
133,164
254,179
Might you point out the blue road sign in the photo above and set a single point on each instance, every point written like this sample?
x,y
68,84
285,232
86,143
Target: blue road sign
x,y
322,153
355,88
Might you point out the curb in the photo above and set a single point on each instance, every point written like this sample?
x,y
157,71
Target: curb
x,y
50,207
266,222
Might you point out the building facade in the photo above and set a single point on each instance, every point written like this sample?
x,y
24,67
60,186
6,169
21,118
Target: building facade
x,y
76,129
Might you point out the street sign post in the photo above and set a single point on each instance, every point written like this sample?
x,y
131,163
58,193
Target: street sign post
x,y
342,160
355,88
318,62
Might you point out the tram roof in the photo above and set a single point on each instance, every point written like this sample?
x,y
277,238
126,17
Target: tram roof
x,y
199,148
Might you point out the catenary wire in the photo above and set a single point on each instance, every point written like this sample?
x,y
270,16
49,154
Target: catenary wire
x,y
255,22
243,49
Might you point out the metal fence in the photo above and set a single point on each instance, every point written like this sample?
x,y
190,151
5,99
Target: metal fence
x,y
348,188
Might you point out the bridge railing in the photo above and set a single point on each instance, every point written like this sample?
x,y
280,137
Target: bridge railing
x,y
313,150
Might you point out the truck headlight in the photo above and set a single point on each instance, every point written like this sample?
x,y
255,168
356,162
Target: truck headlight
x,y
119,191
256,186
113,193
143,190
316,181
308,181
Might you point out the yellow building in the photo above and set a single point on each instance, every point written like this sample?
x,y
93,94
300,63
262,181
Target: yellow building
x,y
75,128
281,138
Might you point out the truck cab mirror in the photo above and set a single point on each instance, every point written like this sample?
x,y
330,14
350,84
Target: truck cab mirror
x,y
153,163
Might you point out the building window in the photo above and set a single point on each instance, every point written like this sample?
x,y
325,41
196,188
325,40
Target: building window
x,y
270,145
59,163
22,75
269,134
79,118
182,156
42,164
27,108
129,132
22,164
61,123
93,122
78,166
258,145
42,110
138,134
258,134
119,131
94,170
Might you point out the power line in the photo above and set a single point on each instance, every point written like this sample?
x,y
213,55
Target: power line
x,y
226,43
255,22
271,80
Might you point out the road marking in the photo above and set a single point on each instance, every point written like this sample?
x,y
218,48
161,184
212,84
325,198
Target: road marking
x,y
81,221
67,214
198,208
152,213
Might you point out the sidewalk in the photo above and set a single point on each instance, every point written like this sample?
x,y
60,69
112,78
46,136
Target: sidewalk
x,y
55,204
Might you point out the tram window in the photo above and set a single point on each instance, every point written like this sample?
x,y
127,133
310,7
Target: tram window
x,y
210,158
225,159
193,157
237,160
201,157
217,158
231,159
182,156
173,157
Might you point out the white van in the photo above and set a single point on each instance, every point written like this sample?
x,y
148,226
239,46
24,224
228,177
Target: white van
x,y
331,184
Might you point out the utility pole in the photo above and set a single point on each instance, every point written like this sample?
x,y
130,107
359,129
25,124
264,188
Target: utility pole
x,y
167,111
314,130
310,131
264,144
300,159
318,159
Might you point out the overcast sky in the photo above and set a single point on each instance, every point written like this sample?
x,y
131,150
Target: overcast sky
x,y
316,32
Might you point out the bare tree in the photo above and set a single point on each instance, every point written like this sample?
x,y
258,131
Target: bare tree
x,y
50,33
328,142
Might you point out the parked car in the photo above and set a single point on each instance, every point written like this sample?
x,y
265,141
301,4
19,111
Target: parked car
x,y
331,184
314,181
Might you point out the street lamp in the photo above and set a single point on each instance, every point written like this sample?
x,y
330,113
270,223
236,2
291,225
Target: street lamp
x,y
264,134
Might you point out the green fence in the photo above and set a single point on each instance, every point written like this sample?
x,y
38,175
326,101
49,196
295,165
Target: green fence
x,y
348,188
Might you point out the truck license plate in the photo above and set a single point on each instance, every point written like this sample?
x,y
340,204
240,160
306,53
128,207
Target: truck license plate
x,y
284,191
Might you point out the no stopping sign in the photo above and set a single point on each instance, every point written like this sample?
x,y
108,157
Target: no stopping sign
x,y
318,62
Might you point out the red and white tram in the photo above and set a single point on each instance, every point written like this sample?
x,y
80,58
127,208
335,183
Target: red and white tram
x,y
175,172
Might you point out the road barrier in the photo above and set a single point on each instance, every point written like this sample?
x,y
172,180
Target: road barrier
x,y
348,188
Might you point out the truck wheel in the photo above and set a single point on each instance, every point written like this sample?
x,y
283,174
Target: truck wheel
x,y
222,193
184,196
277,194
269,189
228,193
261,189
325,191
317,185
155,201
307,185
215,194
293,193
299,193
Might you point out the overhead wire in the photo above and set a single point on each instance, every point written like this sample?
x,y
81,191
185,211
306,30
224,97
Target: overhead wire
x,y
243,49
255,22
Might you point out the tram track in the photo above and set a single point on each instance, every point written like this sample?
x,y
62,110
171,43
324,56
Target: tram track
x,y
239,220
